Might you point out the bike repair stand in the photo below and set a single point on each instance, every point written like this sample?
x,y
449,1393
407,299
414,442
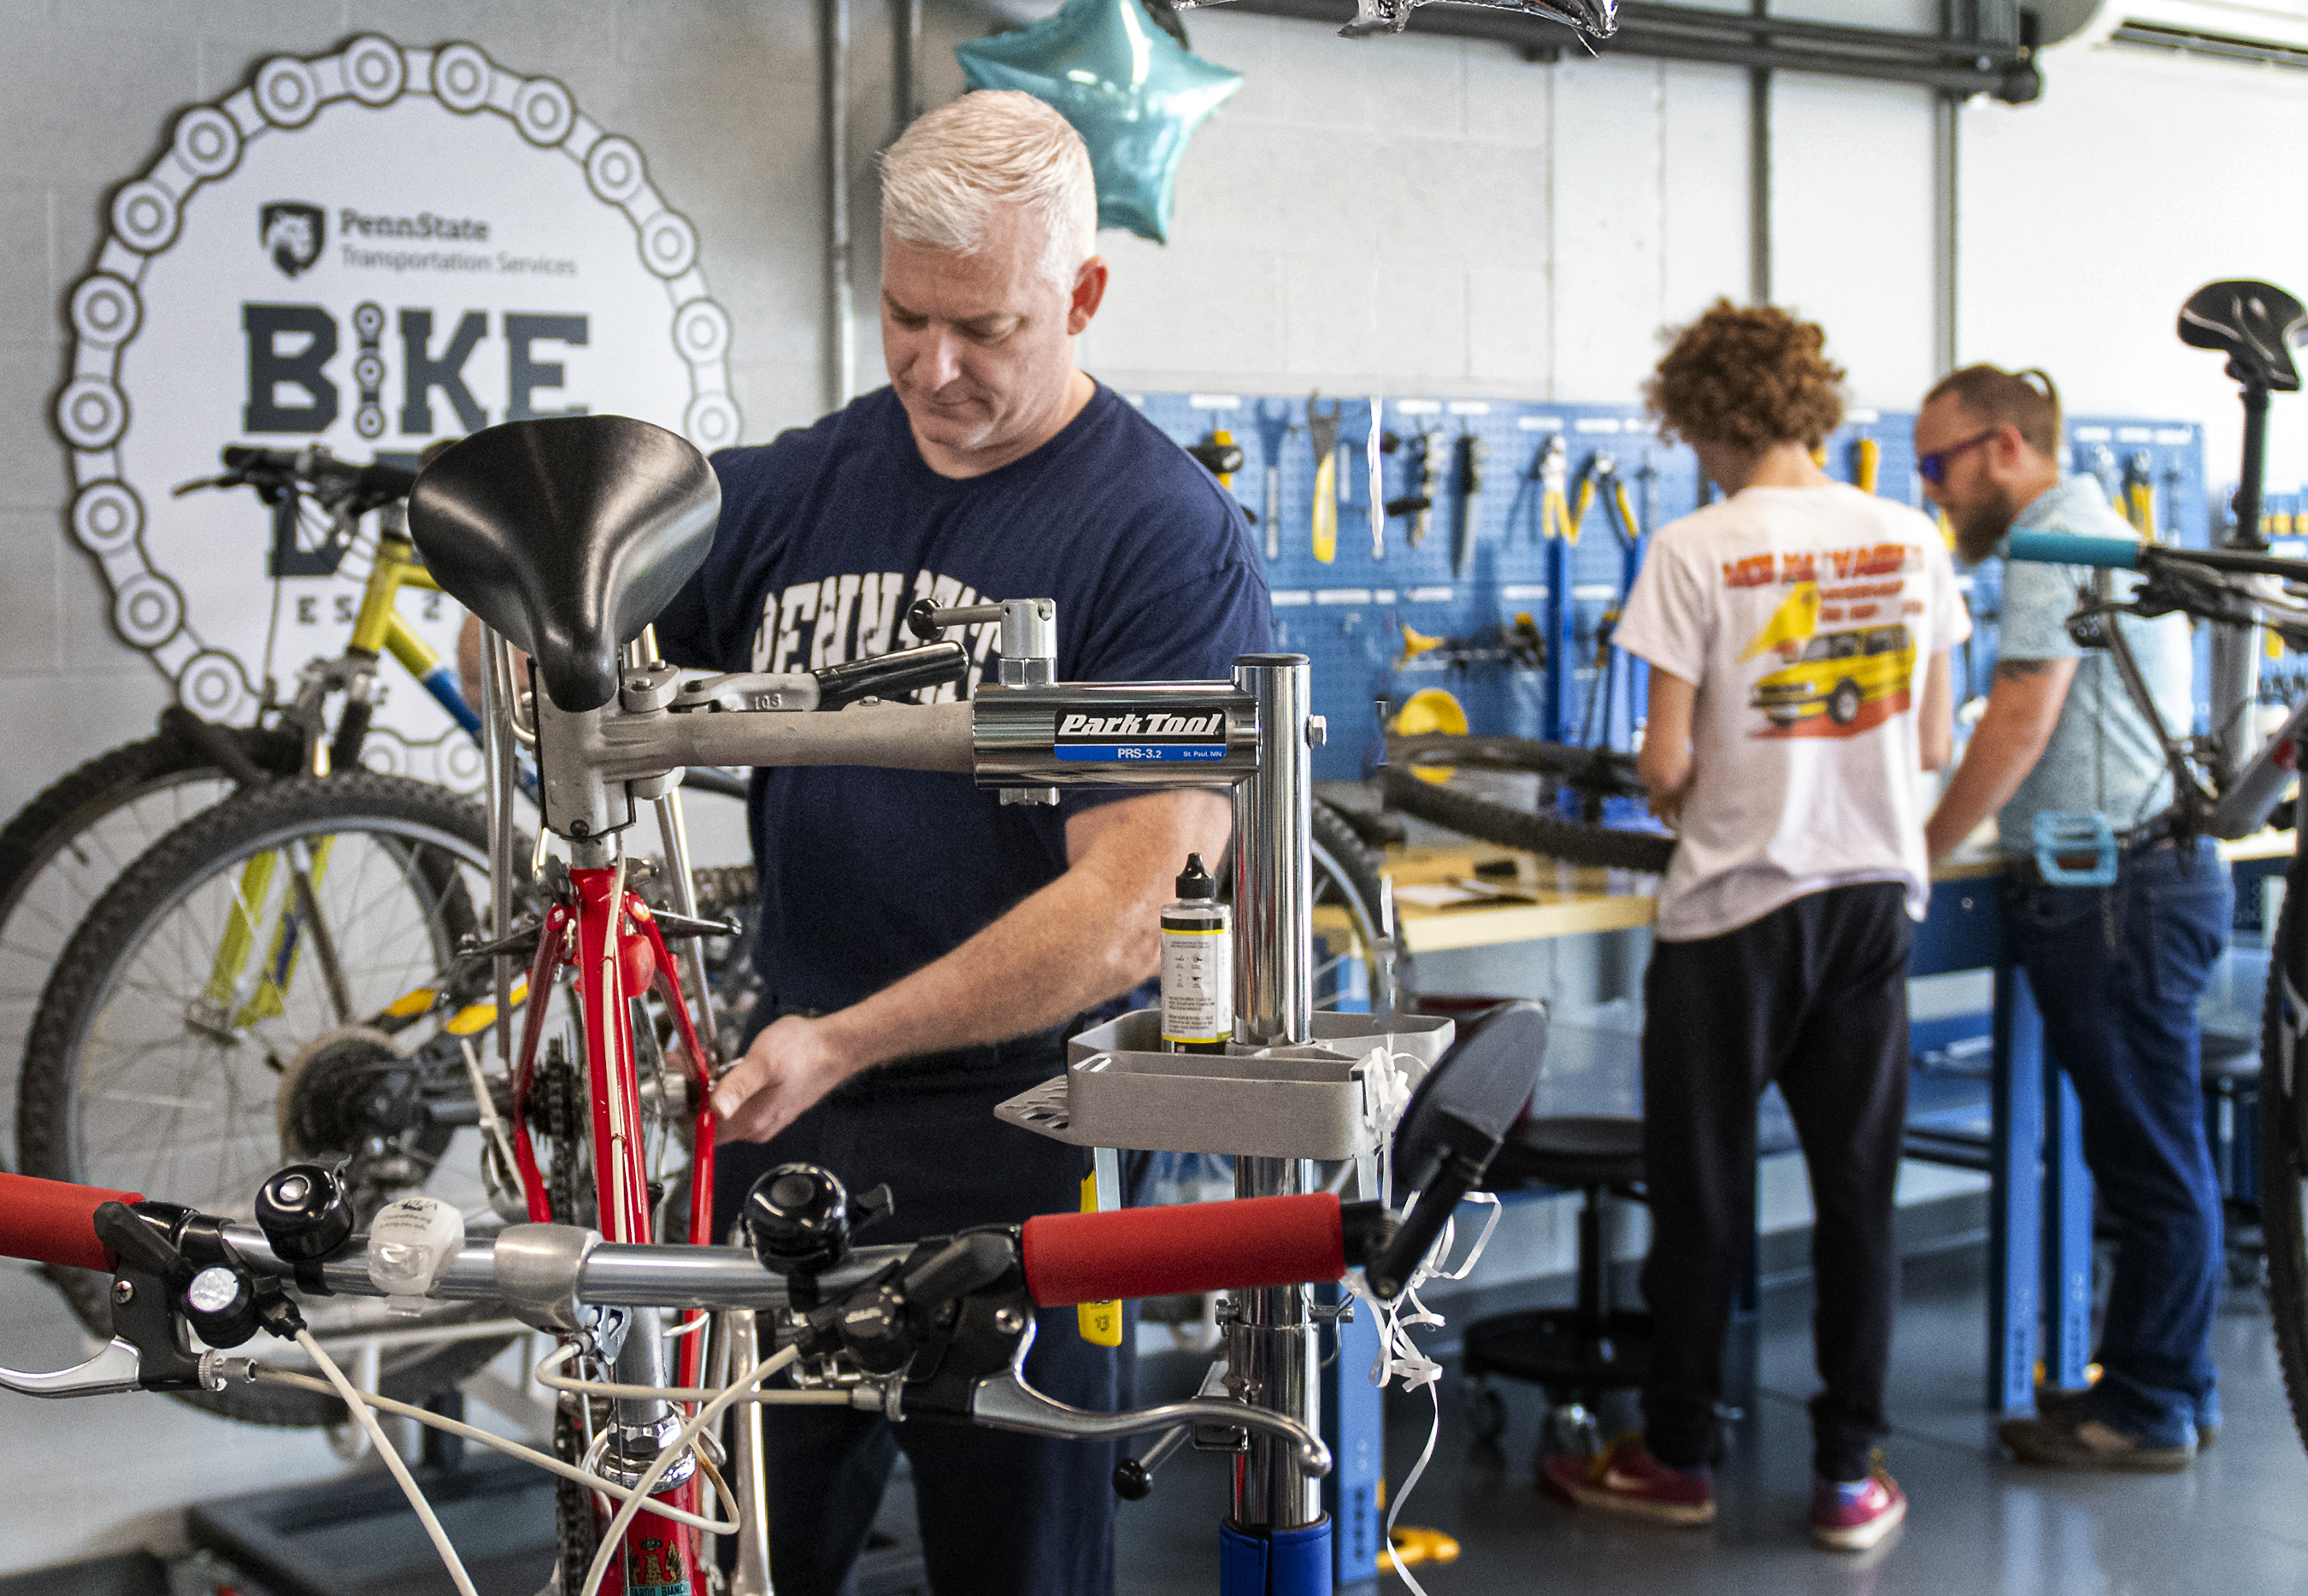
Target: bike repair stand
x,y
1296,1086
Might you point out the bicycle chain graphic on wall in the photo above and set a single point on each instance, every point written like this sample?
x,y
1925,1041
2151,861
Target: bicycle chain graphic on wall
x,y
366,249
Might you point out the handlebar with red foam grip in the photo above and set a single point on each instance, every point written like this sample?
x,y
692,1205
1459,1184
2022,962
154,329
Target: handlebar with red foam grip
x,y
49,1221
1193,1247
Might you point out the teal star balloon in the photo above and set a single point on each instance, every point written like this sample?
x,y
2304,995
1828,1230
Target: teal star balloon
x,y
1134,93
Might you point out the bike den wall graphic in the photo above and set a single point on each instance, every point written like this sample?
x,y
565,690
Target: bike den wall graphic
x,y
368,250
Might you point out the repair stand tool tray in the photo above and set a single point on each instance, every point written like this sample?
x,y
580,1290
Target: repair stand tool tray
x,y
1320,1100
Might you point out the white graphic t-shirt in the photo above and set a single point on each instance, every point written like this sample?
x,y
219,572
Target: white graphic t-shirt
x,y
1807,618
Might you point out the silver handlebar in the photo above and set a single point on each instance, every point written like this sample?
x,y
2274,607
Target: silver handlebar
x,y
549,1276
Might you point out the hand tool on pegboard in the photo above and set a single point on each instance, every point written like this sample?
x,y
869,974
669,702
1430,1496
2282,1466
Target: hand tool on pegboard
x,y
1604,683
1221,457
1866,462
1473,452
1430,456
1273,432
1552,467
1600,477
1323,431
2139,503
1601,474
1373,447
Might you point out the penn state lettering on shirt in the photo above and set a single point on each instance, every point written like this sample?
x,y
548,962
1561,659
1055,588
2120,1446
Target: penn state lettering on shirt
x,y
860,615
828,536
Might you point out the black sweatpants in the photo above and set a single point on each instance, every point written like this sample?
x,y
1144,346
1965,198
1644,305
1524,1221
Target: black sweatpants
x,y
1001,1514
1814,996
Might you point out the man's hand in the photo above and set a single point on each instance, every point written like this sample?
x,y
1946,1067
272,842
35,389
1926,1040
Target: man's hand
x,y
1091,935
792,1065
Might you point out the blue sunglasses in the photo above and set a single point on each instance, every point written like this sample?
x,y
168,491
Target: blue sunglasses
x,y
1932,467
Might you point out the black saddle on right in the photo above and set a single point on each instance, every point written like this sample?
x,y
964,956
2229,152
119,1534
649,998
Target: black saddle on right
x,y
2252,324
567,535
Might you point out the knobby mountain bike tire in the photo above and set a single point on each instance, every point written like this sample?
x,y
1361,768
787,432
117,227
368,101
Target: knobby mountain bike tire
x,y
1346,878
1593,772
2284,1140
1572,842
60,852
129,1078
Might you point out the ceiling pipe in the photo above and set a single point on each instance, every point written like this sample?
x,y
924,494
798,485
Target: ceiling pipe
x,y
1950,63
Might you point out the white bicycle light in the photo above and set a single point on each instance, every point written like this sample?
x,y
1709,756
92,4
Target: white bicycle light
x,y
409,1244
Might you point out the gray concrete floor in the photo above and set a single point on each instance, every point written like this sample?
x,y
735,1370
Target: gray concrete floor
x,y
1977,1524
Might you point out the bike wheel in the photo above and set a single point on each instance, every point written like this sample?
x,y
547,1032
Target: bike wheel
x,y
1575,842
1359,967
2284,1143
60,852
216,1016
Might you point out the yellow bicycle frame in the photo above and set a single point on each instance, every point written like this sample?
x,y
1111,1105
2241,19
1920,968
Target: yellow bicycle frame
x,y
377,630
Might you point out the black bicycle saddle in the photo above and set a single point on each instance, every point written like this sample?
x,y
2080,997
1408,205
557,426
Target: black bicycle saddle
x,y
568,536
2252,324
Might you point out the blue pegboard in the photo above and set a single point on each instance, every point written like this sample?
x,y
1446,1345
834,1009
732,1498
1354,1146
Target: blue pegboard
x,y
1348,615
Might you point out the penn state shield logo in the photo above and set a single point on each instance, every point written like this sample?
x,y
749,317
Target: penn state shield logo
x,y
292,232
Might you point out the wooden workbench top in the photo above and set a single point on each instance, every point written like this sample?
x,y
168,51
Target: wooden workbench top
x,y
1557,899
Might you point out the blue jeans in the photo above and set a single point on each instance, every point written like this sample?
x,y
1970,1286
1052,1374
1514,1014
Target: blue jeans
x,y
2116,971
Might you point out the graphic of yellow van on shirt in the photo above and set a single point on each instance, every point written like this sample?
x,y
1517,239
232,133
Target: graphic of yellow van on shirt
x,y
1851,680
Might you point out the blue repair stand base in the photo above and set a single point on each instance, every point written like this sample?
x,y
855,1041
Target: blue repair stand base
x,y
1281,1563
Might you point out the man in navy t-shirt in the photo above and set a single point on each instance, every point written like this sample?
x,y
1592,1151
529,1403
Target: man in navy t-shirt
x,y
926,949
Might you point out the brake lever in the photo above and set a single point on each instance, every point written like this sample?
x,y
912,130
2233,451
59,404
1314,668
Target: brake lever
x,y
228,480
1006,1401
118,1367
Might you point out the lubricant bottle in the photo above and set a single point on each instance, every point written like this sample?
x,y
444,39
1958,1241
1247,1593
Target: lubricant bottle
x,y
1197,965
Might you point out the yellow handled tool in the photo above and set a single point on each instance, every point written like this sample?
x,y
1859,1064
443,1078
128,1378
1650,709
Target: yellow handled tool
x,y
1555,517
1323,430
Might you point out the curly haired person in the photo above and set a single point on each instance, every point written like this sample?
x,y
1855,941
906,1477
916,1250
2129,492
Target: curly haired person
x,y
1797,634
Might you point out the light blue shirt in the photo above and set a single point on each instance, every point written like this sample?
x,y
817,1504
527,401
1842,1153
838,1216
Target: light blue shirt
x,y
2103,756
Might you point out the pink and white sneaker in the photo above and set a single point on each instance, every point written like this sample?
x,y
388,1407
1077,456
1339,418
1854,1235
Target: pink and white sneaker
x,y
1851,1517
1626,1478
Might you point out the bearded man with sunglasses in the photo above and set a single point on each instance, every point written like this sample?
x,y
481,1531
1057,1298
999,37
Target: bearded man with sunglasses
x,y
2116,969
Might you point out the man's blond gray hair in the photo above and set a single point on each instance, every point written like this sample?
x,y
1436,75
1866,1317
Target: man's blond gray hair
x,y
946,173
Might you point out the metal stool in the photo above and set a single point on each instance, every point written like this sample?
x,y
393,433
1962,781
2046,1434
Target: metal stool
x,y
2231,1081
1574,1354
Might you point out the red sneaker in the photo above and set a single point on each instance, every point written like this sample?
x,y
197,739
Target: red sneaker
x,y
1847,1518
1626,1478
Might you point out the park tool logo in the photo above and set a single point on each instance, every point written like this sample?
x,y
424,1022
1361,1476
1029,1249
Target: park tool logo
x,y
1175,736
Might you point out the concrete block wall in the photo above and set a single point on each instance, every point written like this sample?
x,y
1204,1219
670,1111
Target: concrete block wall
x,y
1411,216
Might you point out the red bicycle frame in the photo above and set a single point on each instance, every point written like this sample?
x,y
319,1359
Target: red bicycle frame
x,y
613,941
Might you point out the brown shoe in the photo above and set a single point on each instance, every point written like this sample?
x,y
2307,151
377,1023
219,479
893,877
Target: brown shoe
x,y
2089,1445
2068,1407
